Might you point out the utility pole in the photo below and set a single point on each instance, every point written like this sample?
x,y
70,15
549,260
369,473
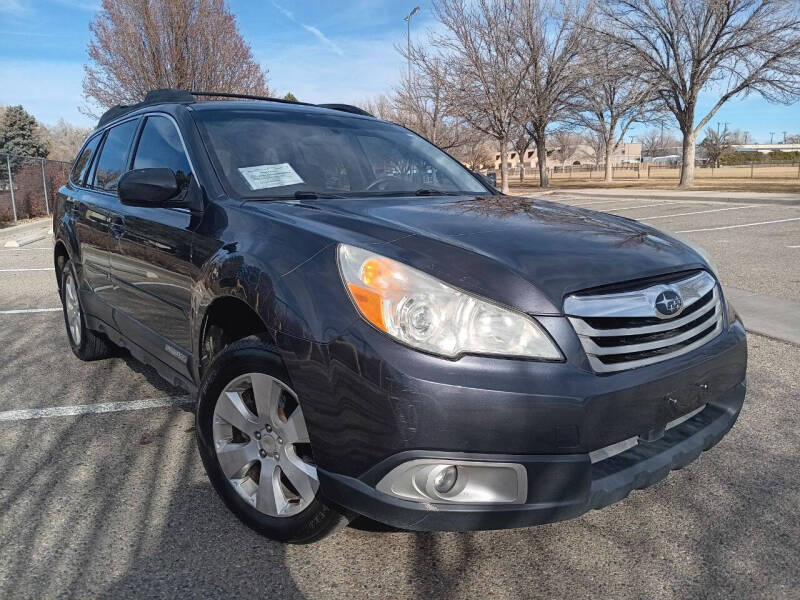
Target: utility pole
x,y
407,19
771,134
784,137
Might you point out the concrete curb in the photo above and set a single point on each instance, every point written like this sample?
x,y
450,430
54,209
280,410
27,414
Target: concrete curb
x,y
28,239
40,222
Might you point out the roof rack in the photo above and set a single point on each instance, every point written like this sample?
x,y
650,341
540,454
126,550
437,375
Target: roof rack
x,y
250,97
347,108
343,107
182,96
152,97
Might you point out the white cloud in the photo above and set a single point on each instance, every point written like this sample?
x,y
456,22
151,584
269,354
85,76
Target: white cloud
x,y
311,29
13,7
321,37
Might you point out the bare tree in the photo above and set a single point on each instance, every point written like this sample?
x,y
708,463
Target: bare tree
x,y
565,144
423,100
553,43
610,99
730,47
65,139
476,152
596,145
521,140
140,45
737,136
658,143
485,68
383,107
715,145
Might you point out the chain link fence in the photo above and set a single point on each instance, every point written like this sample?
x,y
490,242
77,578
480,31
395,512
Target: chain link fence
x,y
767,171
28,186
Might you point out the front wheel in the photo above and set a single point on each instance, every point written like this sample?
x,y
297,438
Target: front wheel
x,y
255,447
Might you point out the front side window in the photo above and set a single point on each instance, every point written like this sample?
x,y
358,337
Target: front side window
x,y
113,159
275,154
160,147
84,161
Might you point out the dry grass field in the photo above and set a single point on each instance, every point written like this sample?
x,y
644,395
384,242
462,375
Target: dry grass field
x,y
742,178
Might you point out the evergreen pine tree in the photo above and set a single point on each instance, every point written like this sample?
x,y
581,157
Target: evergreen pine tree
x,y
19,136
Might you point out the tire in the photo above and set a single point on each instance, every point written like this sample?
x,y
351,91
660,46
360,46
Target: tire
x,y
86,344
245,410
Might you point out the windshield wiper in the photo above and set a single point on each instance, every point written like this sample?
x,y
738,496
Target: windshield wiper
x,y
434,192
298,195
312,195
419,192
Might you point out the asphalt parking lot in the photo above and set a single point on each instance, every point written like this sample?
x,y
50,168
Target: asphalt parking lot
x,y
113,502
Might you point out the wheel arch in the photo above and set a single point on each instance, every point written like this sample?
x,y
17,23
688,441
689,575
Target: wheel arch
x,y
227,319
60,257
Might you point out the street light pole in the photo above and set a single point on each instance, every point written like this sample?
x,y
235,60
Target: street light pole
x,y
407,19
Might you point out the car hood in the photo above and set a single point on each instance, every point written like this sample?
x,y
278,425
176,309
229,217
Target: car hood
x,y
557,248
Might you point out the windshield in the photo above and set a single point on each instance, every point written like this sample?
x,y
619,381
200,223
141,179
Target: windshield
x,y
294,154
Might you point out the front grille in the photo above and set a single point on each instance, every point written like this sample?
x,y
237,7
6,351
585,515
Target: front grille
x,y
623,330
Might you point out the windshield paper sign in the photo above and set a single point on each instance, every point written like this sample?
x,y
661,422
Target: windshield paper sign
x,y
269,176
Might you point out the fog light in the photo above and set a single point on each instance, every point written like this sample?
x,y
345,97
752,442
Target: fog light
x,y
433,480
446,479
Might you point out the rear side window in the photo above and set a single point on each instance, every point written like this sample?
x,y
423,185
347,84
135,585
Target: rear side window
x,y
160,146
113,159
84,161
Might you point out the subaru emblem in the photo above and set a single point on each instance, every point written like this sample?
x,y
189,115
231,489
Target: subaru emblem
x,y
668,303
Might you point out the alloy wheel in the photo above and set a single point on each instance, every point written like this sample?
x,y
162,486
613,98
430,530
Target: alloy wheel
x,y
73,309
262,445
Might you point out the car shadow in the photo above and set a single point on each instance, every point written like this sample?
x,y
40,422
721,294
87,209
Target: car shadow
x,y
88,512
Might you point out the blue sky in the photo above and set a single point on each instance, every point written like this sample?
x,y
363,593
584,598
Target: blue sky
x,y
322,51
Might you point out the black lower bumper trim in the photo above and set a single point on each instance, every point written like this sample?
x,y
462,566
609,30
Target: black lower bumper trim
x,y
585,487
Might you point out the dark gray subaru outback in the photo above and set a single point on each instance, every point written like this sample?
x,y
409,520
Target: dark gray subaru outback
x,y
372,329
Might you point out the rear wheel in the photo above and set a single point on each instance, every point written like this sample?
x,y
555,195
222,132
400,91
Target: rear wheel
x,y
85,343
255,446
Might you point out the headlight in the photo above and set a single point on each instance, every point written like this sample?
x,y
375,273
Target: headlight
x,y
421,311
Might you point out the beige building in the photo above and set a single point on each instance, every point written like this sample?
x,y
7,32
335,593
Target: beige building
x,y
627,153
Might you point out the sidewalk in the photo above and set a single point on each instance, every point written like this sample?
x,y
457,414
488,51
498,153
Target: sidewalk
x,y
774,317
9,229
25,230
699,195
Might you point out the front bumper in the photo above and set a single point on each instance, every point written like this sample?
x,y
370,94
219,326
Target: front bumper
x,y
560,486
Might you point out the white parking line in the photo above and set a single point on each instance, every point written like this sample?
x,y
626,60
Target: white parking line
x,y
793,246
28,269
644,206
22,311
88,409
699,212
738,226
605,202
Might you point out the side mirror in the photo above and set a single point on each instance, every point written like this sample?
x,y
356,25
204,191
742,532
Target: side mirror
x,y
148,187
